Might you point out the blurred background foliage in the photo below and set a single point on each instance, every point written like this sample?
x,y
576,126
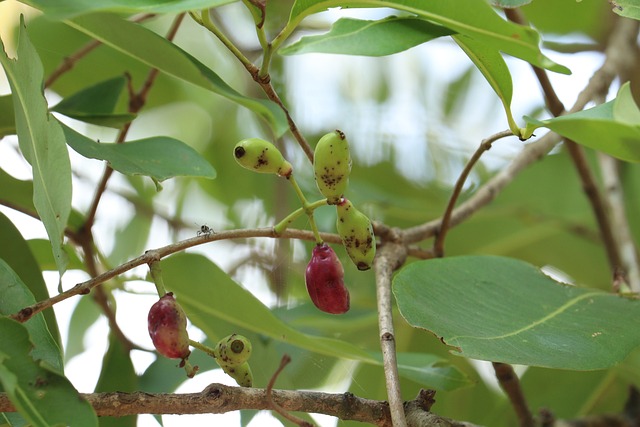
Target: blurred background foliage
x,y
413,120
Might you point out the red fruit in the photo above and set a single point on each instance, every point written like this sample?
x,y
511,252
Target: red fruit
x,y
168,328
325,281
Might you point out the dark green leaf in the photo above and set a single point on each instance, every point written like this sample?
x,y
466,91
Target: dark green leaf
x,y
14,296
208,295
40,393
155,51
41,141
158,157
472,18
490,63
612,127
370,38
7,116
96,104
117,374
505,310
61,9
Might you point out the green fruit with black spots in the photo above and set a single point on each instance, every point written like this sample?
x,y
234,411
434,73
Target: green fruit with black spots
x,y
232,353
357,236
261,156
332,166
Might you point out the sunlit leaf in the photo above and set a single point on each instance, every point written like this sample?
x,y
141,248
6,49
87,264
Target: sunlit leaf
x,y
40,392
41,142
155,51
472,18
505,310
61,9
158,157
611,127
96,104
370,38
208,295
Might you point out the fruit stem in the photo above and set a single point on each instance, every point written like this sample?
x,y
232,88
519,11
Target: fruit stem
x,y
156,275
200,346
307,208
288,220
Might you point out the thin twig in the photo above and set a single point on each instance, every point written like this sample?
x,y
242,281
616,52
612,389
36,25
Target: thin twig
x,y
390,256
485,145
283,362
510,383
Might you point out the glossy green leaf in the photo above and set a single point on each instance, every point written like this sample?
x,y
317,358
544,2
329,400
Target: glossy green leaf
x,y
155,51
157,157
61,9
505,310
40,392
20,257
492,66
96,104
117,374
41,141
612,127
7,116
472,18
626,8
370,38
208,295
14,296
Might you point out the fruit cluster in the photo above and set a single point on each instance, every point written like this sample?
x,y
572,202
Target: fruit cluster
x,y
324,276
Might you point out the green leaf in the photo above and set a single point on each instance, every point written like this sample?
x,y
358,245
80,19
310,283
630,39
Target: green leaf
x,y
155,51
472,18
14,296
492,66
626,8
118,374
20,258
505,310
370,38
61,9
41,142
84,315
7,116
159,157
96,104
612,127
41,250
208,295
40,393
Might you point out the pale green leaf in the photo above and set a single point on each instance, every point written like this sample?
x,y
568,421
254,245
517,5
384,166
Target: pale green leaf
x,y
42,142
611,127
149,48
511,4
61,9
40,393
157,157
626,8
505,310
370,38
472,18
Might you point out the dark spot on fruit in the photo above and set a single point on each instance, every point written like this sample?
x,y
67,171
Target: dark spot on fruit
x,y
239,152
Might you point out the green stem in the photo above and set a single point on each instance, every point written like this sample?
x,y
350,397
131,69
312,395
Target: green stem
x,y
206,22
288,220
307,208
156,275
200,346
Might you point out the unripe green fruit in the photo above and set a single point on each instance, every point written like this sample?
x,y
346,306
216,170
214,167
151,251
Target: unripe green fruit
x,y
261,156
232,353
167,325
332,165
356,233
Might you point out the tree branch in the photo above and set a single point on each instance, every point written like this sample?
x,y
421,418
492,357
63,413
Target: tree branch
x,y
510,383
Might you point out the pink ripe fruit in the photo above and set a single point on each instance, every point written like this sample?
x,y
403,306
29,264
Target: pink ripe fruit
x,y
325,281
168,328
